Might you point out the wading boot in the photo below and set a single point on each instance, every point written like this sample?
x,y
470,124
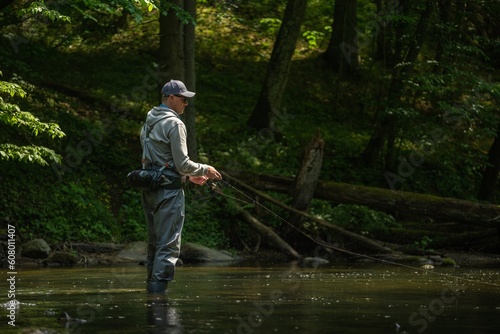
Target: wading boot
x,y
150,273
157,287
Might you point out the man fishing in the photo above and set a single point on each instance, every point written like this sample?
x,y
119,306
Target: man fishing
x,y
163,140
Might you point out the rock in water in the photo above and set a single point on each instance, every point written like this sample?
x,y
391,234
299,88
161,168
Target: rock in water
x,y
36,249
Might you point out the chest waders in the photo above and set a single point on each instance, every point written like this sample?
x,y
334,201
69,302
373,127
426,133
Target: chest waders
x,y
164,212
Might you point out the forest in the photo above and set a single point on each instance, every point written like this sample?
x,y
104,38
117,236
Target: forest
x,y
365,124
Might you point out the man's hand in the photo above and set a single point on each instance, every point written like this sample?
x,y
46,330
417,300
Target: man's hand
x,y
213,174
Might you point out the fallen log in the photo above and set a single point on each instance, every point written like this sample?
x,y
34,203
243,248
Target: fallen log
x,y
357,238
268,233
400,204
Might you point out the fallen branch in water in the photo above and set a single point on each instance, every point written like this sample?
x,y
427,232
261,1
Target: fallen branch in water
x,y
268,233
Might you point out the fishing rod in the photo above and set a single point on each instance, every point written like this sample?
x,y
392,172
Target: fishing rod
x,y
250,201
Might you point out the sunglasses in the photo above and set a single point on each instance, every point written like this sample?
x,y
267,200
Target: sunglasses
x,y
181,97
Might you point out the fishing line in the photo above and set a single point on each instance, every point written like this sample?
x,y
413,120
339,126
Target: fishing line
x,y
251,201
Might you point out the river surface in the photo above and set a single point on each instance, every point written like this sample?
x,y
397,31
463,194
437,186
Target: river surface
x,y
279,299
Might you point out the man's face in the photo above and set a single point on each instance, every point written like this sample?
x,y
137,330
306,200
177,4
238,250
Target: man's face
x,y
178,103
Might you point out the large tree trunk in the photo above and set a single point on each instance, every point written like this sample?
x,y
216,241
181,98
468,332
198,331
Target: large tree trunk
x,y
177,58
342,51
171,53
403,205
268,107
190,79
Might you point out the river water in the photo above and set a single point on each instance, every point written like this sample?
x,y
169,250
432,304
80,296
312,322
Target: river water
x,y
278,299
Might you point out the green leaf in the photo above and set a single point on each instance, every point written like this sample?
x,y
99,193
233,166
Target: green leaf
x,y
11,89
32,153
11,115
40,8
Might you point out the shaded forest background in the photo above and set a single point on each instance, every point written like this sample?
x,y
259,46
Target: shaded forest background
x,y
416,109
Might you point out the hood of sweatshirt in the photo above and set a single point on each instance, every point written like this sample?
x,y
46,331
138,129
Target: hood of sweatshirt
x,y
158,113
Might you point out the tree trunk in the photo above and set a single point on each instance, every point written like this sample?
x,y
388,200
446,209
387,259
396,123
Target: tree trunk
x,y
342,51
400,204
307,177
268,107
171,53
385,130
490,174
373,149
444,9
420,34
401,28
190,79
382,45
384,127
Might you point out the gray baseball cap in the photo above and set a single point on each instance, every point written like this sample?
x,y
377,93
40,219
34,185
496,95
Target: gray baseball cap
x,y
176,87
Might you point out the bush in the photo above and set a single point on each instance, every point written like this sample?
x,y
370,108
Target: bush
x,y
206,221
132,223
362,220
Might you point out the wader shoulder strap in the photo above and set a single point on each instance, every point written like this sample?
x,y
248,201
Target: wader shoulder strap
x,y
145,143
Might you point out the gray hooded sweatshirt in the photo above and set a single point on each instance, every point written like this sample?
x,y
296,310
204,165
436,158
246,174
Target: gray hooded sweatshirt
x,y
167,142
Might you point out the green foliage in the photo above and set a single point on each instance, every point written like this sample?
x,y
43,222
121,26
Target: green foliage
x,y
206,220
259,152
11,115
270,25
313,38
28,121
91,20
33,154
131,217
181,14
424,244
89,9
363,220
10,89
40,8
90,211
41,207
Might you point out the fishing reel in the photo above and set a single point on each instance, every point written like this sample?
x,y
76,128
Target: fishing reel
x,y
212,185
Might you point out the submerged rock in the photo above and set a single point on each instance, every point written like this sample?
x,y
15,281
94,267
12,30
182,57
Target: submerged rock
x,y
191,252
136,251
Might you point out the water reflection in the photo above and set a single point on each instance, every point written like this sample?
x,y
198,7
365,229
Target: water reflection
x,y
287,299
162,316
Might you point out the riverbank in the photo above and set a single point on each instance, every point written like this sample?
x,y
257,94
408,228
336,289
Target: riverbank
x,y
94,254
